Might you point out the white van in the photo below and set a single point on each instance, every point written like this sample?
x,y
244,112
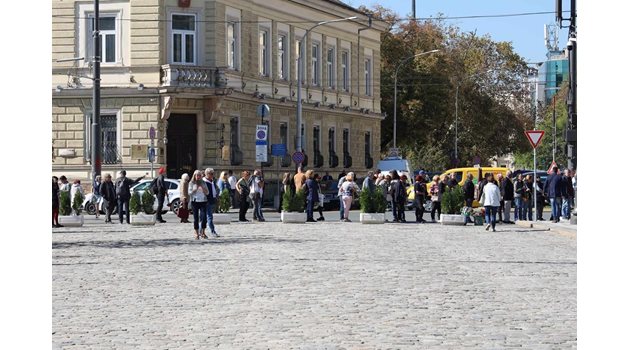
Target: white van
x,y
394,163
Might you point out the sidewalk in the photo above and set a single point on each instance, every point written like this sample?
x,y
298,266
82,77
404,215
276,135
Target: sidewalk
x,y
563,227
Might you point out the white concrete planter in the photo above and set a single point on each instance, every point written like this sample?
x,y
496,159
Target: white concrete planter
x,y
293,217
453,219
142,219
221,219
71,220
372,218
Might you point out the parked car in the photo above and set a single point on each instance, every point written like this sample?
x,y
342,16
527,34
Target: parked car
x,y
173,194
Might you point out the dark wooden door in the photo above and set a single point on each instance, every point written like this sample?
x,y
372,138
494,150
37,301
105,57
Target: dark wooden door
x,y
181,148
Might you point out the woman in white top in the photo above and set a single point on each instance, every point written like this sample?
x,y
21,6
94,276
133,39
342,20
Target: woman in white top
x,y
348,189
491,201
76,187
198,192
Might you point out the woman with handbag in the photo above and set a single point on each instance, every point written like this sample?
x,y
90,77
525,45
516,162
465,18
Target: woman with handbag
x,y
491,199
183,211
198,191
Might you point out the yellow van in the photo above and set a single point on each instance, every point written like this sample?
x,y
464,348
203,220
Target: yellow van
x,y
461,174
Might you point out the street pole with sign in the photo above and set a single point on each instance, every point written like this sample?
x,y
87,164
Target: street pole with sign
x,y
534,137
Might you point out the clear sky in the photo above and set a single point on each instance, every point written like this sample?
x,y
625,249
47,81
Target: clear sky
x,y
525,32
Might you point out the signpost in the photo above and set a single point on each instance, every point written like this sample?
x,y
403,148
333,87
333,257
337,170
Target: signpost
x,y
278,150
261,143
151,151
534,137
298,157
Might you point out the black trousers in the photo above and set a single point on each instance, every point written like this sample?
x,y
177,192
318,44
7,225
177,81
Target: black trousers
x,y
158,214
419,209
500,211
109,209
243,206
436,206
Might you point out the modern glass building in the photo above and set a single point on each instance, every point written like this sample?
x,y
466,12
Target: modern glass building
x,y
555,72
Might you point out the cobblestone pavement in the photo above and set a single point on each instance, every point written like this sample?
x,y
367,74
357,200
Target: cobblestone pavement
x,y
326,285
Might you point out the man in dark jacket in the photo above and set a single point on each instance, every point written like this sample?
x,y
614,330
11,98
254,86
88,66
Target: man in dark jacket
x,y
567,194
507,193
162,193
123,193
553,190
469,192
109,194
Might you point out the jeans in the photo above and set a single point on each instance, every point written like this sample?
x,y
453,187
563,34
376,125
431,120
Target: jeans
x,y
491,215
210,215
258,207
518,208
123,204
566,207
419,209
199,213
394,210
529,207
507,207
309,209
556,203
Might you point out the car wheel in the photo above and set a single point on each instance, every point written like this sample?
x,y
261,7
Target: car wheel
x,y
90,208
175,205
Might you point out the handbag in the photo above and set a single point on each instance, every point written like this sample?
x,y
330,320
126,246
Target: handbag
x,y
482,198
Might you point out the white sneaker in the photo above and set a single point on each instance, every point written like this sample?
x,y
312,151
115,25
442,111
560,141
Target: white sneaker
x,y
487,227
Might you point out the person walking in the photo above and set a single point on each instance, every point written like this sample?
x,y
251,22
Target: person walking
x,y
349,189
242,187
320,207
519,191
420,193
108,192
491,201
553,190
312,195
436,197
340,195
498,181
96,193
123,193
507,192
256,189
198,192
211,200
161,188
55,202
183,212
469,193
232,181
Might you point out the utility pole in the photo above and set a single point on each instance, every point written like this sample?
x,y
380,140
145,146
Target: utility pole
x,y
571,131
96,97
413,9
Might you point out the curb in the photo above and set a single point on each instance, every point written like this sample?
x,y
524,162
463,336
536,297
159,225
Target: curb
x,y
558,230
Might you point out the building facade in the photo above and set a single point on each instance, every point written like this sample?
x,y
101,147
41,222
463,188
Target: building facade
x,y
196,71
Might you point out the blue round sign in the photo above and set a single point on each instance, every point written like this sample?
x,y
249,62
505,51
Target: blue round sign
x,y
298,157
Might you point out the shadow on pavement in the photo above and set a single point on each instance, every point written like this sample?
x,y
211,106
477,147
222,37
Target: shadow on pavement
x,y
151,243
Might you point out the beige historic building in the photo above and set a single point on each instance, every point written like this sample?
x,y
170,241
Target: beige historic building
x,y
197,70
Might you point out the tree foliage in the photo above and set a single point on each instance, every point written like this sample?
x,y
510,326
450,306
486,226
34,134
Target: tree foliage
x,y
486,77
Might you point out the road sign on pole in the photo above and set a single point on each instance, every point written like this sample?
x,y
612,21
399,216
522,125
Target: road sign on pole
x,y
298,157
534,137
263,111
261,143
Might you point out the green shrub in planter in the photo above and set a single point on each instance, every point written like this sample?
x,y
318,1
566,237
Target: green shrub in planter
x,y
147,202
64,203
286,201
134,204
294,203
365,202
378,198
224,201
453,200
77,203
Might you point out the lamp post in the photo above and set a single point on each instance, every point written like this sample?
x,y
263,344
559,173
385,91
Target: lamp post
x,y
300,59
96,97
396,85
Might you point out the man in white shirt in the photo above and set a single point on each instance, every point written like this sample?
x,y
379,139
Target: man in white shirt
x,y
232,181
256,192
213,192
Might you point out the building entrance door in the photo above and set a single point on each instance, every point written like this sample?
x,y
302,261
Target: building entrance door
x,y
181,148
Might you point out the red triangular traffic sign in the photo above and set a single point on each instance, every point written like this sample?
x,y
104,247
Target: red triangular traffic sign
x,y
550,170
534,137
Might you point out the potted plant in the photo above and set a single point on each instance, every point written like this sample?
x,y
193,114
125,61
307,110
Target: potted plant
x,y
452,203
293,207
223,205
70,214
373,205
141,209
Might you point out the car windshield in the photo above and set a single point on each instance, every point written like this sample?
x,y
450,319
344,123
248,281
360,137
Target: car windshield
x,y
392,164
142,186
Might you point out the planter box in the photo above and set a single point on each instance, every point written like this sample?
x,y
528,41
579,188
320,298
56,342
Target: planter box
x,y
71,220
453,219
372,218
292,217
142,219
221,219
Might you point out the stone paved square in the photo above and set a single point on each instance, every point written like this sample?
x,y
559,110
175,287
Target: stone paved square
x,y
326,285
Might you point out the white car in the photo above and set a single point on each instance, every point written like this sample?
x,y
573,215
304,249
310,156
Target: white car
x,y
173,194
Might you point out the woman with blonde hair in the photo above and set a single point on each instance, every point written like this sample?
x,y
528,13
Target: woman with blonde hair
x,y
348,190
183,211
198,192
223,182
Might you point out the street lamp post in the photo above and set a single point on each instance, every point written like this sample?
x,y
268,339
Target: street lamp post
x,y
300,59
96,97
396,86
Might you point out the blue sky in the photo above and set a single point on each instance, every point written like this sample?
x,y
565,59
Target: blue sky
x,y
525,32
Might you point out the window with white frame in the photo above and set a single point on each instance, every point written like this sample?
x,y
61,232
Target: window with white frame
x,y
109,37
282,56
345,70
183,38
263,52
315,64
368,76
233,44
330,67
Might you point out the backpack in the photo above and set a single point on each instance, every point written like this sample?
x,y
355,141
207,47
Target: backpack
x,y
153,187
122,190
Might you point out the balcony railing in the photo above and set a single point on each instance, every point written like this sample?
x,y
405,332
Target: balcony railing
x,y
193,76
